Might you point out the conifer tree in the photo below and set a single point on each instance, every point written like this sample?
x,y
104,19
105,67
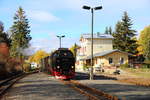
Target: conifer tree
x,y
1,27
110,30
106,30
124,36
117,41
3,35
20,33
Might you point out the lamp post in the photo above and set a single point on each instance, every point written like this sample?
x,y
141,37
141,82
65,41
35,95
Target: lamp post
x,y
92,11
75,51
60,36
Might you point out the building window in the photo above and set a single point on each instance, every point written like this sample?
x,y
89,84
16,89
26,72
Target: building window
x,y
121,60
110,60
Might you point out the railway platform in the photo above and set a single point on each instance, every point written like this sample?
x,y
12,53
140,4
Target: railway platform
x,y
110,85
40,86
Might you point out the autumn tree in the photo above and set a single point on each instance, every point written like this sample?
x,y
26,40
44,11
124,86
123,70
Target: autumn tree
x,y
74,49
38,56
144,42
20,33
124,36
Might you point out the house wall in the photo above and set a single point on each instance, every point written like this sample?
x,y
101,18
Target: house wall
x,y
116,56
99,45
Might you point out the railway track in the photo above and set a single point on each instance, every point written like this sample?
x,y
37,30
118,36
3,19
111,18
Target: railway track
x,y
91,93
8,83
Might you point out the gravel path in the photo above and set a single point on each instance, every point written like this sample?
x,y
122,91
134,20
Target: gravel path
x,y
42,87
119,89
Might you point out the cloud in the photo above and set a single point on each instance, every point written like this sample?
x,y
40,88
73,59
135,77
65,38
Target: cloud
x,y
51,42
42,16
60,4
46,43
77,4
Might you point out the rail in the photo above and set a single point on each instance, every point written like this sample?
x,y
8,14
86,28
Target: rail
x,y
8,83
91,93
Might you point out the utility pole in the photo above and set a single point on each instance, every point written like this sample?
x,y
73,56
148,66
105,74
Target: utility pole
x,y
75,51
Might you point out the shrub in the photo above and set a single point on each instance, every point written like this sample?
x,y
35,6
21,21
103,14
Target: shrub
x,y
9,66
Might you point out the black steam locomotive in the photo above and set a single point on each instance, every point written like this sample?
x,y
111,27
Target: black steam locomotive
x,y
61,64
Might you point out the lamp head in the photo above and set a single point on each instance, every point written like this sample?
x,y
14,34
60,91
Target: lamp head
x,y
98,8
63,36
86,7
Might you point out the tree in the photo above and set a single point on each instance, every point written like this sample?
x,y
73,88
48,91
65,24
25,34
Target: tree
x,y
20,33
38,56
117,41
147,50
144,42
124,36
106,30
1,27
110,30
74,49
3,35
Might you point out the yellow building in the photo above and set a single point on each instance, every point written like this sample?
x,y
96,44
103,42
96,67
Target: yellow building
x,y
104,55
108,58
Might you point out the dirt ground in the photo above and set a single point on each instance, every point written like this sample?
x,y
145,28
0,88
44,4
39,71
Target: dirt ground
x,y
129,77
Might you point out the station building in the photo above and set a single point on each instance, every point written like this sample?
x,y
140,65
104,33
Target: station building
x,y
103,53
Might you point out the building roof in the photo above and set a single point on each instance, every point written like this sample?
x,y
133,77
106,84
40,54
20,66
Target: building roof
x,y
98,35
106,53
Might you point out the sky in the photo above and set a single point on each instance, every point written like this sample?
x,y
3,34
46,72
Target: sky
x,y
49,18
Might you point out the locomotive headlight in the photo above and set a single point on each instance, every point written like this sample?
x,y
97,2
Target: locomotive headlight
x,y
72,67
58,67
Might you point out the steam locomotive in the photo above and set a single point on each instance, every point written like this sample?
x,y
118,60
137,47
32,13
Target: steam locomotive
x,y
61,64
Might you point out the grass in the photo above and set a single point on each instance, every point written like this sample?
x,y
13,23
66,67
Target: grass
x,y
140,72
